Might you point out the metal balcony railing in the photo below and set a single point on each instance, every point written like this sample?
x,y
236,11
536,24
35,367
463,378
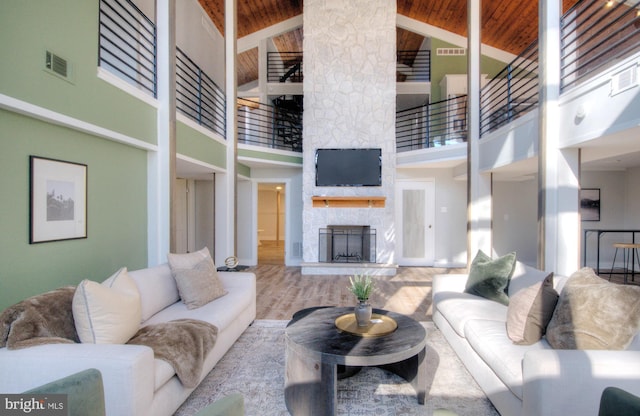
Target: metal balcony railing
x,y
270,126
432,125
413,66
595,35
284,67
198,96
511,93
127,44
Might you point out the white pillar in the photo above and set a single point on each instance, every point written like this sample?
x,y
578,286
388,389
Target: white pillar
x,y
227,244
161,166
479,203
558,170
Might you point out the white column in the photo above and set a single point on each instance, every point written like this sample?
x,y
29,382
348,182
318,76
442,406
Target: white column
x,y
558,170
226,245
161,166
479,203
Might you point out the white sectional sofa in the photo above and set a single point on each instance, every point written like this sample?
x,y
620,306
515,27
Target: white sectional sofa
x,y
135,383
531,380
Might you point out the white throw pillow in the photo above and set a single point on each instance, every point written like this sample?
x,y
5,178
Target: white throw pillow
x,y
107,313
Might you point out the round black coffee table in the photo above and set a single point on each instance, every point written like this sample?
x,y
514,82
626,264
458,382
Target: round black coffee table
x,y
315,348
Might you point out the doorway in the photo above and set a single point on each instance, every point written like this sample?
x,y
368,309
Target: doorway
x,y
271,223
415,207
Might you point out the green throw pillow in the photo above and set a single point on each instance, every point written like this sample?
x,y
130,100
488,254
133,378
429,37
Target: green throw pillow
x,y
490,278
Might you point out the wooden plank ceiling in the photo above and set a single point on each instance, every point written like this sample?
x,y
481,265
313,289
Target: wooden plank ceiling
x,y
507,25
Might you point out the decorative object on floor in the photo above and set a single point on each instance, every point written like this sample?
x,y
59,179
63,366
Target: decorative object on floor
x,y
254,366
58,205
362,286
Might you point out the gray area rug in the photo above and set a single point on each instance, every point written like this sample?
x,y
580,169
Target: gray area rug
x,y
254,367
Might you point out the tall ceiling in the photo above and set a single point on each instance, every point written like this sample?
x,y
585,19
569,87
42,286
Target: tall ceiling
x,y
507,25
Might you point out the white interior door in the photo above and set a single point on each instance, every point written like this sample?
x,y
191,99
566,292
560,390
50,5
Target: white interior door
x,y
415,206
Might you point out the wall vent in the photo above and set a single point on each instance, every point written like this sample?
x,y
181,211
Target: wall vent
x,y
451,51
625,79
297,250
56,64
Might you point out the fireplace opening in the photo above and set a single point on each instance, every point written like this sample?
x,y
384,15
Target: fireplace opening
x,y
347,244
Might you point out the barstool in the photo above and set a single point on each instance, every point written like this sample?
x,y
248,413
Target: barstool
x,y
628,251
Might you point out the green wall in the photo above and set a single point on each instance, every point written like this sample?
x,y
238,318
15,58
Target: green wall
x,y
68,28
443,65
192,143
116,209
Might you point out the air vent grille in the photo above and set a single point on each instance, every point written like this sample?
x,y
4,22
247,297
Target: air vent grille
x,y
451,51
56,64
625,79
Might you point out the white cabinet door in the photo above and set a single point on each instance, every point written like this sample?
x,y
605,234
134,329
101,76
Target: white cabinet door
x,y
414,222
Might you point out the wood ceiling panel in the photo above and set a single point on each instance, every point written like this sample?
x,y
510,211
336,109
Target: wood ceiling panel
x,y
507,25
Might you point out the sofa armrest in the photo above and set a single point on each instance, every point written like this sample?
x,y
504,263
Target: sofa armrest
x,y
570,382
127,371
449,283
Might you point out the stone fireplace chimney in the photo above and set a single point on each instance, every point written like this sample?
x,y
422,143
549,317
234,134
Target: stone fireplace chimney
x,y
349,102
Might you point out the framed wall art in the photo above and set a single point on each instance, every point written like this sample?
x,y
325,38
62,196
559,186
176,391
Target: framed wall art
x,y
590,204
58,200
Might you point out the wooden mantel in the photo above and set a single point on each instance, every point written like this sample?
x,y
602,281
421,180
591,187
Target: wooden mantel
x,y
348,201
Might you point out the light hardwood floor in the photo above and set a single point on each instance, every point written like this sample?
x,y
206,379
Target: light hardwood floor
x,y
281,291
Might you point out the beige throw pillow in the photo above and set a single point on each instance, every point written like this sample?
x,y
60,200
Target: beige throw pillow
x,y
107,312
530,311
196,277
594,314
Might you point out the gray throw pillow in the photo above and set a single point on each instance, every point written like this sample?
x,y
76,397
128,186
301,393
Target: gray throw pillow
x,y
196,277
489,278
594,314
530,311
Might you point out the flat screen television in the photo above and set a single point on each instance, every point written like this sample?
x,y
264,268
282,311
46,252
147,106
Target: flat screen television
x,y
348,167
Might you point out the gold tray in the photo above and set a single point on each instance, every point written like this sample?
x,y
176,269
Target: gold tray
x,y
380,325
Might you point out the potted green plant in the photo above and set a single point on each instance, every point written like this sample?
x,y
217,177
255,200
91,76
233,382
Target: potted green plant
x,y
362,286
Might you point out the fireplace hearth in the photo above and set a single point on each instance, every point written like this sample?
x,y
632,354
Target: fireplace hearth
x,y
347,244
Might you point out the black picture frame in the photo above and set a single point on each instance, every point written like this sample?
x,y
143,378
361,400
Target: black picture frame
x,y
590,204
57,200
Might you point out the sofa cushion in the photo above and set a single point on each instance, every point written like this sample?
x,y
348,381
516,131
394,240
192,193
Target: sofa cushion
x,y
196,277
459,308
157,289
530,311
594,314
223,311
489,340
490,278
107,313
525,276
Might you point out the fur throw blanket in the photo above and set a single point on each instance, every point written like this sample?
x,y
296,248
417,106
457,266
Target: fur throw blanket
x,y
183,343
42,319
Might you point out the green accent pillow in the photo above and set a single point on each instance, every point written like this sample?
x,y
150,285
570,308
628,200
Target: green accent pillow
x,y
490,278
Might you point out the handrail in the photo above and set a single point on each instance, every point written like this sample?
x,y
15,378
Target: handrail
x,y
432,125
511,93
413,66
594,37
270,126
127,44
198,96
284,67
